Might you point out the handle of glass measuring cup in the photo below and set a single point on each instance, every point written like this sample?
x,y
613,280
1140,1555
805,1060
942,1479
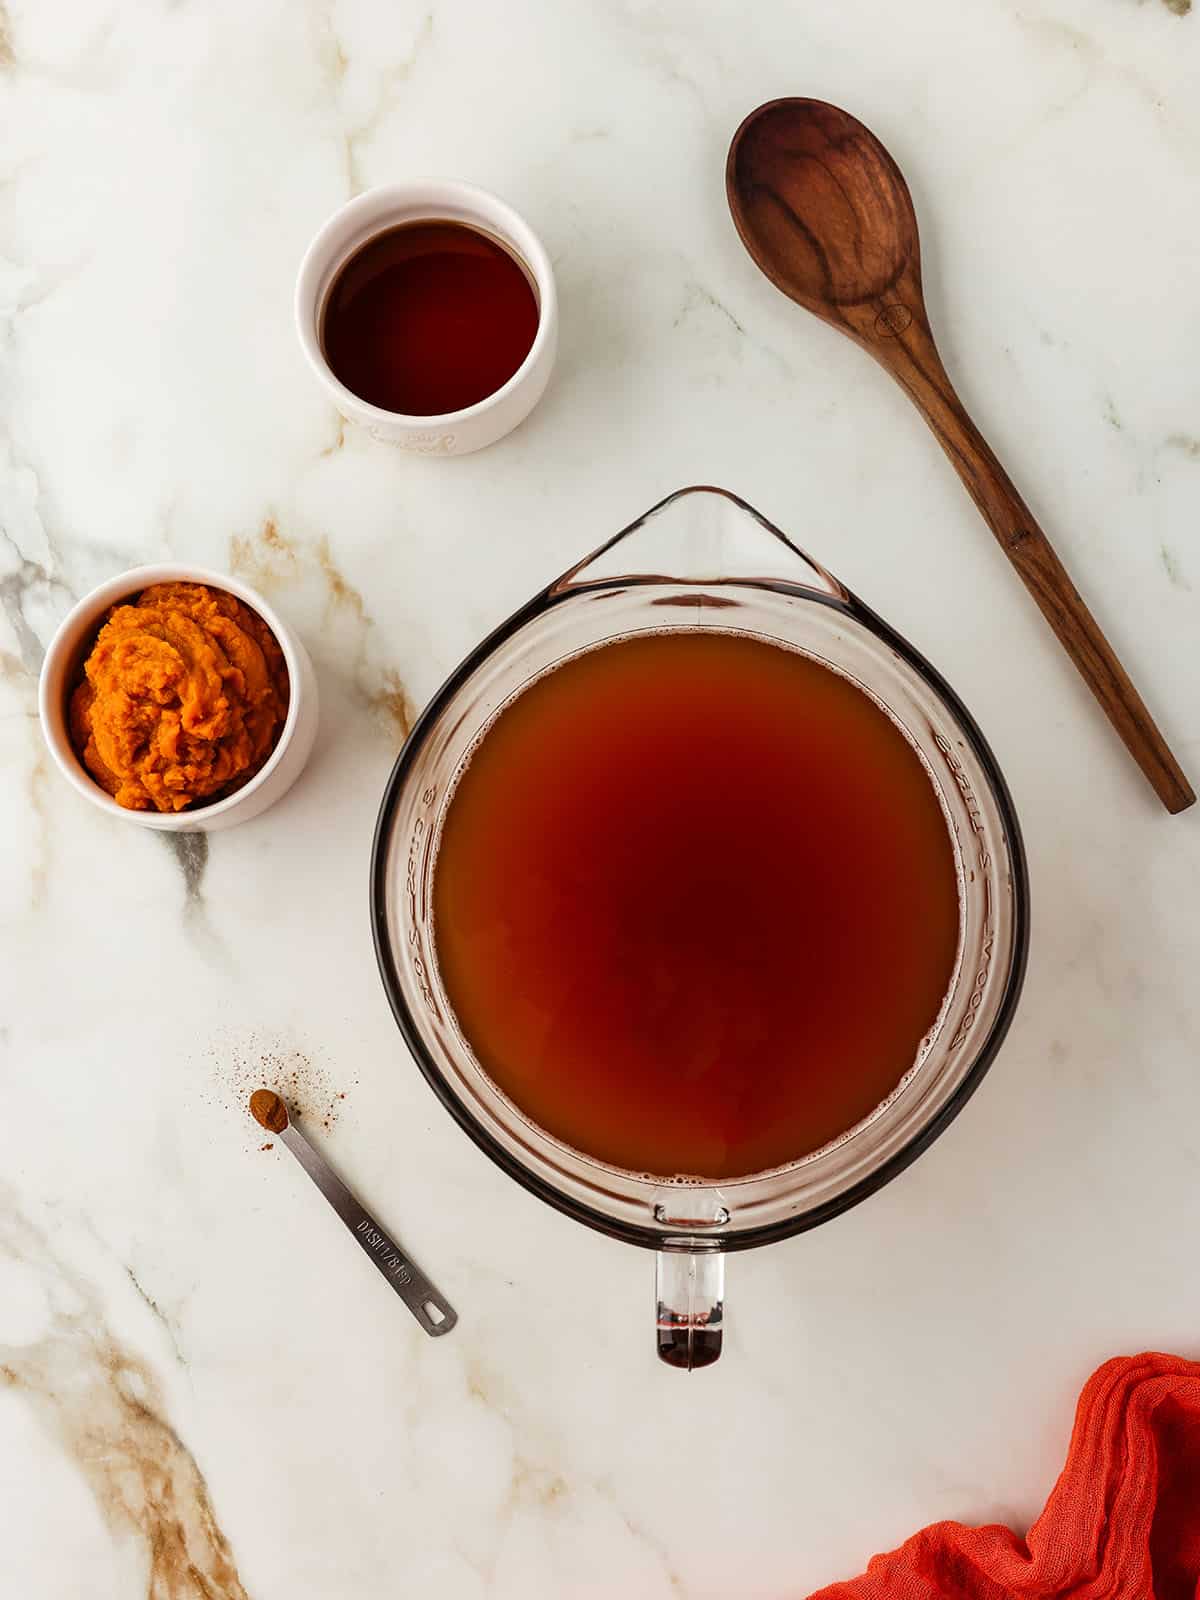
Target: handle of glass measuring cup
x,y
690,1303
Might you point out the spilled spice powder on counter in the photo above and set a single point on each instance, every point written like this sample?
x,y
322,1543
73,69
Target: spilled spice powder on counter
x,y
243,1061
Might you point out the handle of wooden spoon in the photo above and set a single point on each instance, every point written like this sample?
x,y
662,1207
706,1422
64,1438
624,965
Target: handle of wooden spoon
x,y
903,343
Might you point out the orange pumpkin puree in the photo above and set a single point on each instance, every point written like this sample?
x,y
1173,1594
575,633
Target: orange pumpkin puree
x,y
182,698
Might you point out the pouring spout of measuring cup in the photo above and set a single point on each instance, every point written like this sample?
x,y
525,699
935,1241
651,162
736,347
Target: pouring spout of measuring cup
x,y
704,536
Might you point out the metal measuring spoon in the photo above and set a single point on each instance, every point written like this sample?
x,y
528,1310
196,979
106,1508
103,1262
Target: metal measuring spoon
x,y
431,1309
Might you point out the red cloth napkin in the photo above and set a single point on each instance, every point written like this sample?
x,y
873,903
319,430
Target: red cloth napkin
x,y
1122,1522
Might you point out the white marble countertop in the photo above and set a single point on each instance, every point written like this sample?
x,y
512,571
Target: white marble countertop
x,y
203,1389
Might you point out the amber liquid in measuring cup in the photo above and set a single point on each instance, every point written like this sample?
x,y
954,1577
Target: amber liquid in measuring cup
x,y
695,904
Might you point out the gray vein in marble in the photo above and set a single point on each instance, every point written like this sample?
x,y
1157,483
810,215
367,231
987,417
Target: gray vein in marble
x,y
695,294
1185,444
699,300
1172,568
23,575
191,852
8,55
157,1312
106,1408
14,586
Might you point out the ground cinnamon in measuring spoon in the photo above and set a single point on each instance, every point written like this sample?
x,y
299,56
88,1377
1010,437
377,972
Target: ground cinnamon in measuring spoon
x,y
269,1109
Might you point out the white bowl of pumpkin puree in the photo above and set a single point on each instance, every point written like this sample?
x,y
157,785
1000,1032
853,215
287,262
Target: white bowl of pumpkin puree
x,y
176,698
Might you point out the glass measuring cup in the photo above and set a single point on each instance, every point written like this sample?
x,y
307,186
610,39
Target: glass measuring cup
x,y
703,559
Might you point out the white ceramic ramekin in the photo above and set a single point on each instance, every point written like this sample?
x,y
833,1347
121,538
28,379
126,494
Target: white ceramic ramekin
x,y
426,200
60,673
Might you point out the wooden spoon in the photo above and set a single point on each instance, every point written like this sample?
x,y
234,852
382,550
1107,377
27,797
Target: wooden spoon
x,y
826,213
